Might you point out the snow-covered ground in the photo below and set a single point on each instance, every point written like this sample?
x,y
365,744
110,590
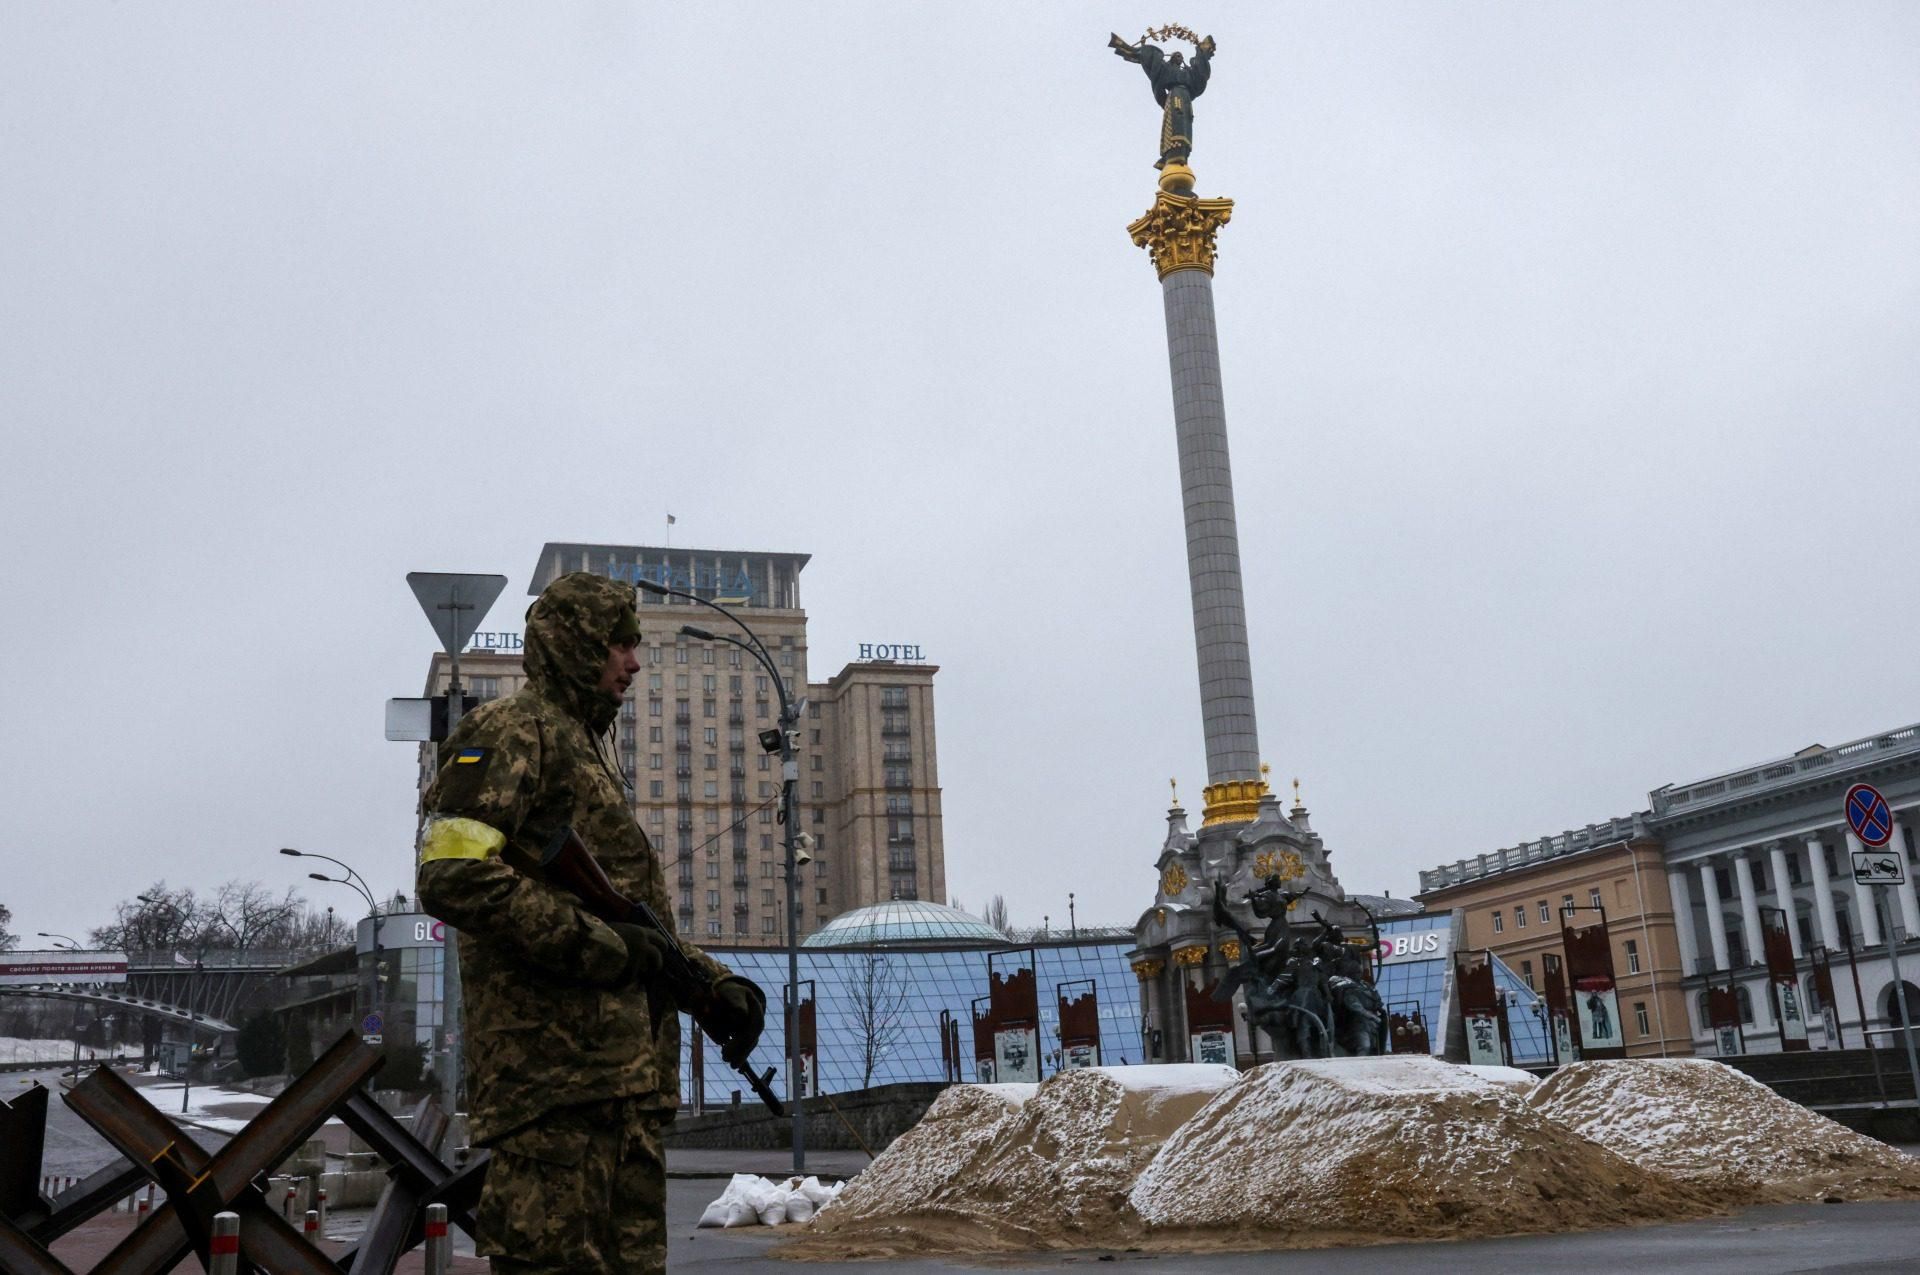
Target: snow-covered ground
x,y
201,1101
14,1049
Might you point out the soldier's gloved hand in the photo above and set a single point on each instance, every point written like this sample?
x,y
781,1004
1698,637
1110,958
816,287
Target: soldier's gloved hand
x,y
740,1016
646,952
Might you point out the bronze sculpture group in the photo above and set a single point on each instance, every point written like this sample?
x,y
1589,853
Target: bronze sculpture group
x,y
1311,993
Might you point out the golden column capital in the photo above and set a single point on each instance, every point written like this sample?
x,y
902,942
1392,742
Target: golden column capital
x,y
1235,801
1178,231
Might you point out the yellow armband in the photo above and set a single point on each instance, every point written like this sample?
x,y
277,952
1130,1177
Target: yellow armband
x,y
460,839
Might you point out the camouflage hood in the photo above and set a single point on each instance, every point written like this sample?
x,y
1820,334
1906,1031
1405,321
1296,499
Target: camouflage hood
x,y
569,628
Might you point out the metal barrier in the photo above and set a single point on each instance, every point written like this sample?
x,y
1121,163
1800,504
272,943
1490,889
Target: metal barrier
x,y
202,1188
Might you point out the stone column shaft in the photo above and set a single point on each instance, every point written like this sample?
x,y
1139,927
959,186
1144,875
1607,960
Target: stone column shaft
x,y
1683,922
1716,924
1213,539
1750,923
1823,894
1783,894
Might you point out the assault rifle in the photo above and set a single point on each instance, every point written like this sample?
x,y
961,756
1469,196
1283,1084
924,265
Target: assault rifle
x,y
568,864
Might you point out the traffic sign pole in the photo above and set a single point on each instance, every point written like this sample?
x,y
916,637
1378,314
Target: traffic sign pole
x,y
1900,991
1870,818
455,604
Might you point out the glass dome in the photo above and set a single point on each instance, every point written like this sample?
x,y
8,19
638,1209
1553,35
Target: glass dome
x,y
903,921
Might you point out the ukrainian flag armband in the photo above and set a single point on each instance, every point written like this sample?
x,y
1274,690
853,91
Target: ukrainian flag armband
x,y
460,839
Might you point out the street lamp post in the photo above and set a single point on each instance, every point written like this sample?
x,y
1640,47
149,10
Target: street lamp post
x,y
73,944
357,882
787,731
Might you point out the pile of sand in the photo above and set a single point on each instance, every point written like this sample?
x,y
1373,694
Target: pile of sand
x,y
1360,1150
1707,1124
984,1172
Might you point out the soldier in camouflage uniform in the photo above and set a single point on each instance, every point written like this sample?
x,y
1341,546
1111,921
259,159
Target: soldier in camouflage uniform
x,y
568,1080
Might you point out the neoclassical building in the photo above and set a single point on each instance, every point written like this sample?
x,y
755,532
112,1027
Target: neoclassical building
x,y
1774,835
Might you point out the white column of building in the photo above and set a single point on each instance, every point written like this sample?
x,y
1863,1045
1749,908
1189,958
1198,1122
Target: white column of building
x,y
1823,894
1783,894
1749,909
1909,901
1863,898
1716,924
1683,921
1750,927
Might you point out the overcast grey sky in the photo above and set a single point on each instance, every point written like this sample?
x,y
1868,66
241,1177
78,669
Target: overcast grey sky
x,y
1569,360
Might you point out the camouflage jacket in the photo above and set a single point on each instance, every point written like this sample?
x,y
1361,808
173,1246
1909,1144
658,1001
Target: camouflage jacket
x,y
542,1028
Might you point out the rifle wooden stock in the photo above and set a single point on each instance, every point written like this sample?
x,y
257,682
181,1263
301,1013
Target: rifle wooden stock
x,y
568,864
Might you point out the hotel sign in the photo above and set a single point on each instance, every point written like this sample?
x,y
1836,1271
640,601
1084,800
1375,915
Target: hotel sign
x,y
890,652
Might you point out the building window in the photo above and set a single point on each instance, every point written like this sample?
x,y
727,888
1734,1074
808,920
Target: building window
x,y
680,657
822,899
1520,918
713,924
1640,1018
706,655
1499,922
733,659
657,789
653,761
1566,905
653,708
709,683
819,790
653,681
654,735
1593,897
766,898
766,925
818,762
1793,867
1633,963
713,896
713,874
1546,914
712,789
1526,974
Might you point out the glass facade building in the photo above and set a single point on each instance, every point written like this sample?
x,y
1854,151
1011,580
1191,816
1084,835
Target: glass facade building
x,y
902,966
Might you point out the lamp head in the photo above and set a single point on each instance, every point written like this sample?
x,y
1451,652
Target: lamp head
x,y
695,631
648,586
288,850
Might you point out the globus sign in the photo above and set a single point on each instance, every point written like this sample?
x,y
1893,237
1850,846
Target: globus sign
x,y
401,929
1421,945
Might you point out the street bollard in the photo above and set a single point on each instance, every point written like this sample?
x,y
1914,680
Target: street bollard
x,y
223,1248
439,1243
321,1200
145,1206
313,1227
286,1205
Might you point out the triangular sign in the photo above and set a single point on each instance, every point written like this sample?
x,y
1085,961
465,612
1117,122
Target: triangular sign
x,y
455,604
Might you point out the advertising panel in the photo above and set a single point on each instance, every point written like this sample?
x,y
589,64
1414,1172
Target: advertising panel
x,y
1599,1011
1079,1057
1213,1047
1016,1055
1784,980
1589,969
1483,1040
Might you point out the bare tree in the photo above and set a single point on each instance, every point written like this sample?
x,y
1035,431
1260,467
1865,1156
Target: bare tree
x,y
878,995
997,912
8,939
238,915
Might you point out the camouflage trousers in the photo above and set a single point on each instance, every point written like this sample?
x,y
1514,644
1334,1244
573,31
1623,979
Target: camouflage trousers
x,y
580,1191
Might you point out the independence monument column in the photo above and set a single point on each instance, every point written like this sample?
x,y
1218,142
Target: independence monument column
x,y
1178,232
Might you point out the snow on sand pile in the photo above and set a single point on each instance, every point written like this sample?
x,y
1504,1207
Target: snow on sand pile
x,y
1705,1123
1358,1150
981,1174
